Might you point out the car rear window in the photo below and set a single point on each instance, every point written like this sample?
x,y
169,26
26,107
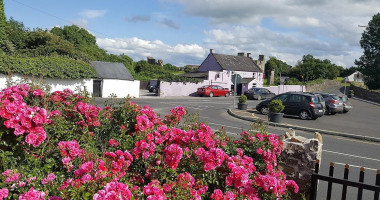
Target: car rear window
x,y
315,99
336,97
205,86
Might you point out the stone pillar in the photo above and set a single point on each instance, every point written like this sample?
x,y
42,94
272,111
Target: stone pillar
x,y
271,77
299,157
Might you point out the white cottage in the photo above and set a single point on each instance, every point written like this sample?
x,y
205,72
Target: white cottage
x,y
113,79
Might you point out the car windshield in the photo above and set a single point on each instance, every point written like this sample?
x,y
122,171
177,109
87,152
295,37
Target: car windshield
x,y
205,86
344,99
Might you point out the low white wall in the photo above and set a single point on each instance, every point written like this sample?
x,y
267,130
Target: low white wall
x,y
55,84
120,88
179,88
286,88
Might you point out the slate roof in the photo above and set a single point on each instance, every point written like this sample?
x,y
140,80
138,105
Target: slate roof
x,y
236,63
110,70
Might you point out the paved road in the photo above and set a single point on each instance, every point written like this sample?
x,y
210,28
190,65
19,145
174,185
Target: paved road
x,y
340,150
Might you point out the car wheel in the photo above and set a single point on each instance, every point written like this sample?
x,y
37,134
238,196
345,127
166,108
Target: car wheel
x,y
259,97
227,94
201,95
345,111
264,110
332,113
154,90
211,94
304,115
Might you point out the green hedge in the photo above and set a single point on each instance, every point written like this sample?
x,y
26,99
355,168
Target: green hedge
x,y
47,67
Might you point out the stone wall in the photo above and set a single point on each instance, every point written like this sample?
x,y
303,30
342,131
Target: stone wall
x,y
365,94
320,87
299,157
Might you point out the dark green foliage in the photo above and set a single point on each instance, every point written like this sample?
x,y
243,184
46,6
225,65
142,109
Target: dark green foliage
x,y
276,106
3,21
170,67
348,71
293,81
49,67
75,35
310,68
278,66
369,62
243,99
16,32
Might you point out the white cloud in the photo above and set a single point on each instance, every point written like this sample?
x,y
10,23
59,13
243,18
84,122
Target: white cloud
x,y
290,28
90,14
139,49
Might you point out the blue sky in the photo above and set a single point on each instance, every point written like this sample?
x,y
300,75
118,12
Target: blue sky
x,y
182,31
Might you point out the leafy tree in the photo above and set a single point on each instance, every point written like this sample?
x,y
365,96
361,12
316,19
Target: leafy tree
x,y
369,62
75,35
170,67
3,21
278,66
348,71
16,32
310,68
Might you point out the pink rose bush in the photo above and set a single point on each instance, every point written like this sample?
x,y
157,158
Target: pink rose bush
x,y
60,146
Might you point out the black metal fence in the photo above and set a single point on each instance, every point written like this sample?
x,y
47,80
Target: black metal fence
x,y
360,185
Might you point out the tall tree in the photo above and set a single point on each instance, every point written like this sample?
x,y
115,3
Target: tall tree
x,y
369,62
278,66
3,21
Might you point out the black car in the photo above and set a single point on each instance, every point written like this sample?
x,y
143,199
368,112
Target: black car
x,y
152,86
259,93
304,105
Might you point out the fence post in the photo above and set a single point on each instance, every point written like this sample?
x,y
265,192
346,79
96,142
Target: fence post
x,y
329,187
361,180
314,182
344,191
376,196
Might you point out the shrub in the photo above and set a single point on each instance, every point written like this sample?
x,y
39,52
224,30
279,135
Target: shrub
x,y
276,106
350,92
59,146
243,99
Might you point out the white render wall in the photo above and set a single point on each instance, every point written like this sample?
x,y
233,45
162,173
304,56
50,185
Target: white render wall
x,y
120,88
180,89
286,88
55,84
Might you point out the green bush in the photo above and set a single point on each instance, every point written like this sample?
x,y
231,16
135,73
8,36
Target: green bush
x,y
276,106
243,99
351,92
49,67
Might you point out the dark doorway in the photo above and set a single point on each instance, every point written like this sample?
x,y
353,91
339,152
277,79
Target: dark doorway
x,y
239,89
97,88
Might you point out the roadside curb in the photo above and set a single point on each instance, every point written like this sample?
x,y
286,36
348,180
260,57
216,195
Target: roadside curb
x,y
371,102
347,135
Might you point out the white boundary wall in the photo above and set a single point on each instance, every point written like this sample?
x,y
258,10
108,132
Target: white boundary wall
x,y
286,88
120,88
180,89
55,84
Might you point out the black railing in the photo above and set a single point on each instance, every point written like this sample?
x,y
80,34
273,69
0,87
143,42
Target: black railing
x,y
344,182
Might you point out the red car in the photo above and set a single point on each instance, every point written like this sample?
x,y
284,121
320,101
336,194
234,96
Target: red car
x,y
213,90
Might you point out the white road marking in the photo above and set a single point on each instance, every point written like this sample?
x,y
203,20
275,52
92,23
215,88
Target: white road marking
x,y
350,155
366,168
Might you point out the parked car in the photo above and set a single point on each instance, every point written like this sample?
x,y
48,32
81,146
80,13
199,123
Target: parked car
x,y
333,103
347,106
152,86
321,99
213,90
304,105
259,93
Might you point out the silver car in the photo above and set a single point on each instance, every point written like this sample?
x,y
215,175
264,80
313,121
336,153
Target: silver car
x,y
333,103
347,106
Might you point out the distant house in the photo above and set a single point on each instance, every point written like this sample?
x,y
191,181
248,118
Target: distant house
x,y
220,69
354,77
113,79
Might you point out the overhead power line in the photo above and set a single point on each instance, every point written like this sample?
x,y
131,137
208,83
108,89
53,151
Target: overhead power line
x,y
54,16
